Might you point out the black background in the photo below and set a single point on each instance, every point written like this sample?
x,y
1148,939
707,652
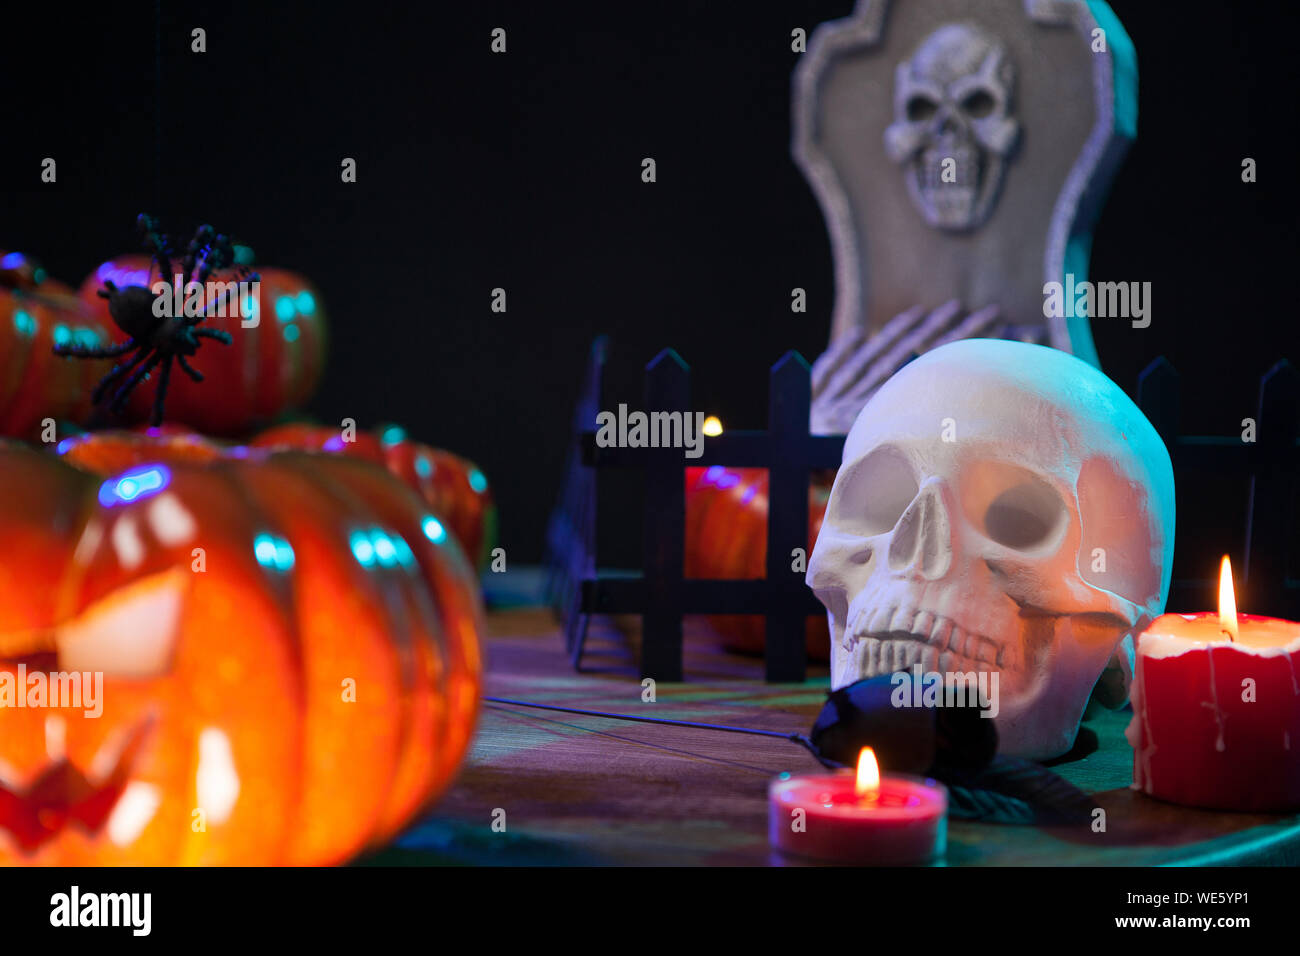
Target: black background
x,y
522,171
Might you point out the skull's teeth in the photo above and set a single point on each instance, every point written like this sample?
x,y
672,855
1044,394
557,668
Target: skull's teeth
x,y
939,634
878,620
901,620
955,639
897,637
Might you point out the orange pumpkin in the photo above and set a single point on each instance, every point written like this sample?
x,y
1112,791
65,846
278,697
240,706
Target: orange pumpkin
x,y
35,314
726,539
288,643
453,487
269,367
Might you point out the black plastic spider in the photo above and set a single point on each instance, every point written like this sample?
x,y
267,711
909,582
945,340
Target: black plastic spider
x,y
161,339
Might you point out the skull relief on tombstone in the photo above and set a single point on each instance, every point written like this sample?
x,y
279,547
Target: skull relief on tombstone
x,y
953,132
1000,507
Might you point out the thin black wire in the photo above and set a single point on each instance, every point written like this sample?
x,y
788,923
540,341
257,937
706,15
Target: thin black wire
x,y
799,739
157,104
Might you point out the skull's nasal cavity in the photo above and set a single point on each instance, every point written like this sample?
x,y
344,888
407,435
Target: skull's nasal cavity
x,y
922,539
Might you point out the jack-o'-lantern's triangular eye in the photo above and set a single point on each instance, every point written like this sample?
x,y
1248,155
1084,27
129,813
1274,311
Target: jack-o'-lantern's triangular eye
x,y
131,632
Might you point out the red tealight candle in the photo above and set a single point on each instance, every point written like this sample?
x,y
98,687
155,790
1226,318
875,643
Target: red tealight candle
x,y
862,817
1216,709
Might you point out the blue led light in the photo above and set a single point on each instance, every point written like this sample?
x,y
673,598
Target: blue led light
x,y
433,529
362,548
423,467
63,446
62,335
284,310
305,302
713,473
291,333
273,553
264,550
477,481
87,338
24,323
393,434
384,549
12,260
404,555
134,485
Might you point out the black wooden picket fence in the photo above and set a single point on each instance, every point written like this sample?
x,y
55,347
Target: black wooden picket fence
x,y
661,594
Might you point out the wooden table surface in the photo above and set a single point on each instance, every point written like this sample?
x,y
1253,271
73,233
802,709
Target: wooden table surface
x,y
583,790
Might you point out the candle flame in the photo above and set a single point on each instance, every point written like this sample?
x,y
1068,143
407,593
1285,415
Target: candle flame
x,y
712,426
868,773
1227,600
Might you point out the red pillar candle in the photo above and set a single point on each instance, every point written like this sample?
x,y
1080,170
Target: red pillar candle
x,y
1216,709
862,818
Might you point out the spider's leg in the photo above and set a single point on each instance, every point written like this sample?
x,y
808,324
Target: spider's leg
x,y
189,369
109,288
221,336
94,351
120,397
156,243
117,372
160,397
197,266
213,257
219,305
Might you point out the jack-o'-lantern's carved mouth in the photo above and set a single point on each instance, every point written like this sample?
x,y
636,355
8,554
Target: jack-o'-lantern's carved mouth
x,y
131,633
63,794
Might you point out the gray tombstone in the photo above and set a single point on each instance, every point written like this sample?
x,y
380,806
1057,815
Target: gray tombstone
x,y
961,152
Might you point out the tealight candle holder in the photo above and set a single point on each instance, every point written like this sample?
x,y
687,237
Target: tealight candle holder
x,y
860,818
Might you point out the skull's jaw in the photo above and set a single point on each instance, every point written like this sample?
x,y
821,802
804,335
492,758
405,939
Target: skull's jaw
x,y
1036,710
893,636
964,202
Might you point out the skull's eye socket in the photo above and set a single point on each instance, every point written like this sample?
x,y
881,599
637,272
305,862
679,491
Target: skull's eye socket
x,y
1023,517
1013,506
873,494
920,108
978,104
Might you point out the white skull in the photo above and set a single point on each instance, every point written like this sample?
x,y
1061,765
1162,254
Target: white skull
x,y
952,106
1001,507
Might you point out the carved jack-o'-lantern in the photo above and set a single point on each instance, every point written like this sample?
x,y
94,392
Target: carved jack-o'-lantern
x,y
454,488
274,656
